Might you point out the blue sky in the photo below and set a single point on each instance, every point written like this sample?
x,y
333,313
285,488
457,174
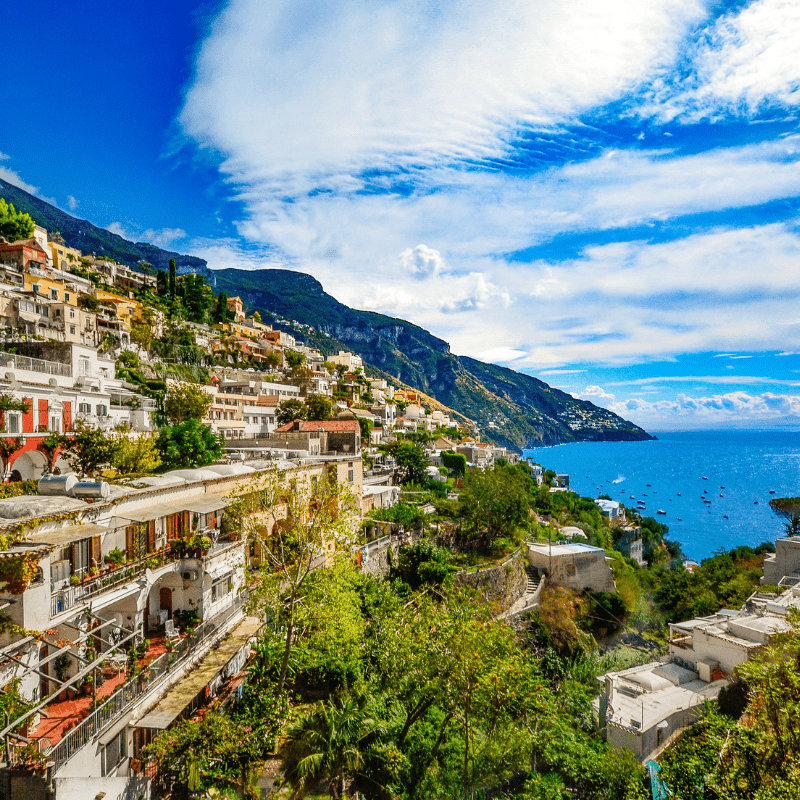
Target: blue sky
x,y
601,193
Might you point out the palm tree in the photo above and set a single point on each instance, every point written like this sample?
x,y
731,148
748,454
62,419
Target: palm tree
x,y
329,744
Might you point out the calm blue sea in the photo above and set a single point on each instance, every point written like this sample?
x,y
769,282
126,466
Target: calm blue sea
x,y
740,469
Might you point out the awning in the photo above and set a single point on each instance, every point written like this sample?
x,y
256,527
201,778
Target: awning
x,y
153,511
205,504
177,700
73,533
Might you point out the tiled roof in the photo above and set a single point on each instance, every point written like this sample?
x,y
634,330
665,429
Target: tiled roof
x,y
329,425
268,400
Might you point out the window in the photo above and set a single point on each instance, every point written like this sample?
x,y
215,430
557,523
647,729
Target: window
x,y
102,410
222,587
85,408
36,287
55,423
13,422
80,556
115,752
71,313
72,329
350,475
54,294
66,297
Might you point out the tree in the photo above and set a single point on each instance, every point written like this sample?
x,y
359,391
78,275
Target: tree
x,y
411,460
221,314
494,502
173,278
162,285
366,429
15,224
88,303
50,447
8,446
455,463
788,509
295,359
290,410
142,335
318,407
216,753
257,316
139,456
272,359
186,401
189,444
329,744
86,448
297,525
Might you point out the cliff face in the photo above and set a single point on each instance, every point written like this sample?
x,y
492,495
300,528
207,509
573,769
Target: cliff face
x,y
514,409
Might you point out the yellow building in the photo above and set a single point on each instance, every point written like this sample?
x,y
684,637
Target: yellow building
x,y
65,257
127,310
40,283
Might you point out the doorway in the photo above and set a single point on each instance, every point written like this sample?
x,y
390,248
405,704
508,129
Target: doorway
x,y
165,600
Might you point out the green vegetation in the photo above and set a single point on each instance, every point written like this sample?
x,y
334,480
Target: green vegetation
x,y
186,401
15,224
188,444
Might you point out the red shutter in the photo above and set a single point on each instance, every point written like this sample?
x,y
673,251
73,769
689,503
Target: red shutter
x,y
43,420
151,536
129,534
97,551
27,419
67,425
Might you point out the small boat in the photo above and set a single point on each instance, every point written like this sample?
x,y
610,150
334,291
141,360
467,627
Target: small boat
x,y
679,519
772,491
679,494
725,516
704,478
755,502
648,485
721,487
661,511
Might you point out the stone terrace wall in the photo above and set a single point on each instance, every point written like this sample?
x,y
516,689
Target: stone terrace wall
x,y
502,585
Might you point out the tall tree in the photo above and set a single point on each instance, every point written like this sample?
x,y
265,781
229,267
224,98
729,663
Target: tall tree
x,y
319,407
290,410
297,525
221,314
411,460
173,279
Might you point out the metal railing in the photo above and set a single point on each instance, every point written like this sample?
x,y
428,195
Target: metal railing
x,y
69,596
36,364
148,679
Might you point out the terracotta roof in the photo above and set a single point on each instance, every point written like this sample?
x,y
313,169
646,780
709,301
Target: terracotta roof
x,y
329,425
268,400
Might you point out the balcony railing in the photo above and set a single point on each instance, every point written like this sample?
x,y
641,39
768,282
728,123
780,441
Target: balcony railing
x,y
119,702
36,365
64,599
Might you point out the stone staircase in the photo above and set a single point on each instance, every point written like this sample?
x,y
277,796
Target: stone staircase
x,y
533,579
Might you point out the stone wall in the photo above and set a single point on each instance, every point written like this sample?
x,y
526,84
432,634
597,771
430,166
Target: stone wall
x,y
502,585
375,555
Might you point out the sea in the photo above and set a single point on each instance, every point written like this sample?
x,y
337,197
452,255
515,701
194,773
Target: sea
x,y
714,487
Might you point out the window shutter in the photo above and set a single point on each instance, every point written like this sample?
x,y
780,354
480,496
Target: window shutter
x,y
151,536
97,551
129,540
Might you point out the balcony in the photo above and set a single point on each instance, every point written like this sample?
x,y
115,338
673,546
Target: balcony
x,y
71,724
36,365
63,599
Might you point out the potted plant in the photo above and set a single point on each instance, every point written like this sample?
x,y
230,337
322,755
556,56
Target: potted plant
x,y
61,667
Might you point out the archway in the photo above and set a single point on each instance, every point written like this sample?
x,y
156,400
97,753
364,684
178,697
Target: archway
x,y
30,465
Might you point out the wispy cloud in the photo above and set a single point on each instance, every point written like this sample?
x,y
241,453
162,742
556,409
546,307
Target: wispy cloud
x,y
743,61
14,178
72,203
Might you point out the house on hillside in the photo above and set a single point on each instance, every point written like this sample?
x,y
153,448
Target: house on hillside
x,y
575,565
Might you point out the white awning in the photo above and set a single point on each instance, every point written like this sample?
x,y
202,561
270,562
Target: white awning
x,y
73,533
205,504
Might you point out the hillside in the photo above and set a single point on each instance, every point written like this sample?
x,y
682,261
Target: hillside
x,y
88,238
514,409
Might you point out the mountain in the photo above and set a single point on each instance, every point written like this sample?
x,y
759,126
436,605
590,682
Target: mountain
x,y
88,238
511,408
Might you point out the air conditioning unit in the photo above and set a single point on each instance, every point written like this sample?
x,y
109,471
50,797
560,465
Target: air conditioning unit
x,y
191,575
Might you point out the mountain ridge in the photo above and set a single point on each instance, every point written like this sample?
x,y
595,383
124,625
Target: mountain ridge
x,y
512,408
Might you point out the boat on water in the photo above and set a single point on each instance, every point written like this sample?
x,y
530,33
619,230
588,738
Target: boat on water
x,y
679,519
679,494
725,516
661,511
704,478
772,491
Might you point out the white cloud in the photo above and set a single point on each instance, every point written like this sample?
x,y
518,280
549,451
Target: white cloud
x,y
72,203
301,95
165,237
13,178
421,262
687,412
119,229
500,354
742,61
